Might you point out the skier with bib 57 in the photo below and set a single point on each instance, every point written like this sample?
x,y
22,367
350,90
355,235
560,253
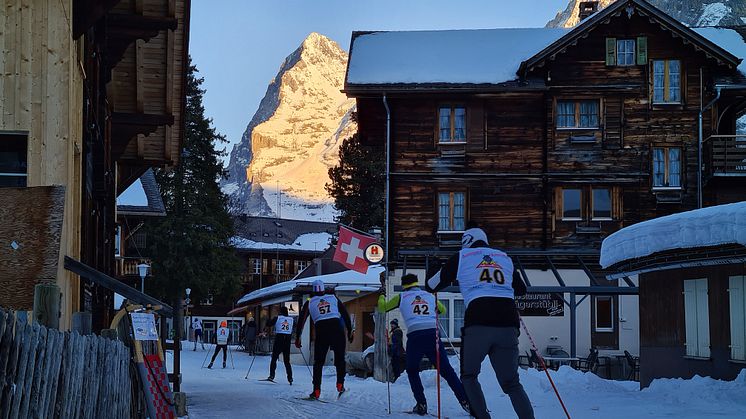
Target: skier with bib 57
x,y
326,311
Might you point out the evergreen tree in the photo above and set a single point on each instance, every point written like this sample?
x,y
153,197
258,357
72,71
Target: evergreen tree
x,y
358,184
191,245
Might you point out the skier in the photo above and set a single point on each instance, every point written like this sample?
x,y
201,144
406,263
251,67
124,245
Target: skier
x,y
250,336
418,307
396,348
197,326
222,343
283,328
330,318
491,322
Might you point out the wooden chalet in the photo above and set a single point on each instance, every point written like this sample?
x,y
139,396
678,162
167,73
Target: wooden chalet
x,y
552,139
92,96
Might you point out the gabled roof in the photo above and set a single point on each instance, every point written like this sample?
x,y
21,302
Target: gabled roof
x,y
143,197
710,48
254,233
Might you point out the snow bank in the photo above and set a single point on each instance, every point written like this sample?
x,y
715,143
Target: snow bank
x,y
453,56
729,40
712,226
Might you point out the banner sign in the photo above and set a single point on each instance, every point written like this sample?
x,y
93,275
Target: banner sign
x,y
541,304
293,308
143,326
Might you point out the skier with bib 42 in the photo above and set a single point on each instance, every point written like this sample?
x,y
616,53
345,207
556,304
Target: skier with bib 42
x,y
418,307
330,318
283,326
491,323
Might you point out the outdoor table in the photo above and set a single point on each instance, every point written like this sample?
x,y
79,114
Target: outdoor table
x,y
556,361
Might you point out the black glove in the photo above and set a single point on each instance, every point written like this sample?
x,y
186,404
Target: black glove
x,y
433,267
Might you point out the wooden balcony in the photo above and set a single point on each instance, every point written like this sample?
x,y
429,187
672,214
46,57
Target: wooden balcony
x,y
725,155
127,266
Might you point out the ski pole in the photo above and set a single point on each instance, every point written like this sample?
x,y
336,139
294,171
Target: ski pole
x,y
250,365
541,361
207,353
230,352
306,361
449,341
437,353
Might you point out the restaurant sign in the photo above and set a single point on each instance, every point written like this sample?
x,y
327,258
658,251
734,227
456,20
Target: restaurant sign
x,y
540,304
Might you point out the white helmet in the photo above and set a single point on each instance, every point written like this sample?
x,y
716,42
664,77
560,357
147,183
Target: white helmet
x,y
318,285
473,235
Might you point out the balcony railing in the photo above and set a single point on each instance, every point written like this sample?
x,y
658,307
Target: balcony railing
x,y
128,265
725,155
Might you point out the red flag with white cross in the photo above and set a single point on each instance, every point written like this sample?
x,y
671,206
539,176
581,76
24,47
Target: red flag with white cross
x,y
351,249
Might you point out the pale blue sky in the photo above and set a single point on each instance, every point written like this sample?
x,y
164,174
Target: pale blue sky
x,y
238,45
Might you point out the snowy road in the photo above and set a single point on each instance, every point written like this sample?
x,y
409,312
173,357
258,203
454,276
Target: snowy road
x,y
224,393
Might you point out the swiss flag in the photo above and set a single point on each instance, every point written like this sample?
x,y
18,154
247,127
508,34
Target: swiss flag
x,y
351,249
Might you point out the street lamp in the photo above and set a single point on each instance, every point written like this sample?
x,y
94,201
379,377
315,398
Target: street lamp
x,y
143,270
187,301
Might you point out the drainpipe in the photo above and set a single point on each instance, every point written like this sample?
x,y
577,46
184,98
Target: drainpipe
x,y
700,145
388,186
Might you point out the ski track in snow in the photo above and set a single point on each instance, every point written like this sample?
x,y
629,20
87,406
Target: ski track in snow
x,y
224,393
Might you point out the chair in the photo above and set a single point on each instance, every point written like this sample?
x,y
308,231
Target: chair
x,y
535,361
634,366
590,363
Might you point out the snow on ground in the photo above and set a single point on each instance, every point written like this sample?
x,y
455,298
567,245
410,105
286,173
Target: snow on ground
x,y
224,393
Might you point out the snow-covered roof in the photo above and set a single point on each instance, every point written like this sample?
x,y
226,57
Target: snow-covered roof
x,y
342,281
310,242
729,40
711,226
490,56
254,233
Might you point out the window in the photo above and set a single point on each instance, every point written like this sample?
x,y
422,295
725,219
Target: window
x,y
445,321
451,211
452,124
257,266
458,317
451,324
302,264
666,81
601,204
280,267
572,204
666,167
118,242
737,317
577,114
696,318
13,162
625,52
604,313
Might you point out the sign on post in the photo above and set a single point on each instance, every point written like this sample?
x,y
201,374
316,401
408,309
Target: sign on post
x,y
143,326
540,304
374,253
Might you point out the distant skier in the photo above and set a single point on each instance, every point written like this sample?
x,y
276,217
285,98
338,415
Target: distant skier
x,y
222,342
491,322
326,311
197,326
396,347
418,310
283,328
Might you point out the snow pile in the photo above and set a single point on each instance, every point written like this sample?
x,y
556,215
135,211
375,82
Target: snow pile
x,y
712,14
712,226
454,56
316,242
729,40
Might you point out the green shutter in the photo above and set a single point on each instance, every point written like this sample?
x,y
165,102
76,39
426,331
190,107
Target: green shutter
x,y
610,51
642,50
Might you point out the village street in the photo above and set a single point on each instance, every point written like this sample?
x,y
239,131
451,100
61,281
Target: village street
x,y
224,393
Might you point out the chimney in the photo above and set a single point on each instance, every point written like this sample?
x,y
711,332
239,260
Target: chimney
x,y
587,8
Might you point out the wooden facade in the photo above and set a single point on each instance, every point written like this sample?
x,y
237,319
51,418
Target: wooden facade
x,y
517,158
60,65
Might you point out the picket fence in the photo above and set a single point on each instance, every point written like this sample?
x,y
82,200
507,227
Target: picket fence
x,y
45,373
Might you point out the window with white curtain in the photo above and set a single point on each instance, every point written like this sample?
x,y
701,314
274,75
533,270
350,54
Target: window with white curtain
x,y
257,266
574,114
666,81
667,167
625,52
737,298
451,211
697,318
452,124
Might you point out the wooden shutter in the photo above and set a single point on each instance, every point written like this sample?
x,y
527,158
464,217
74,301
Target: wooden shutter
x,y
703,319
610,51
690,317
737,318
642,50
613,111
264,266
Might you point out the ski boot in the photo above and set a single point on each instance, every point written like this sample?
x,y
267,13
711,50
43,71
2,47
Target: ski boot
x,y
340,389
420,409
209,366
290,380
223,364
315,394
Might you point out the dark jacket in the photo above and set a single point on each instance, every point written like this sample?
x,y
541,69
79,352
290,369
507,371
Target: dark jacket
x,y
396,348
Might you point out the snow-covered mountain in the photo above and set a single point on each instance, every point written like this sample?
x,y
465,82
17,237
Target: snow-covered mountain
x,y
281,164
689,12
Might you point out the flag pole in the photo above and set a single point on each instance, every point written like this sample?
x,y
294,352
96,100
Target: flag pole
x,y
387,227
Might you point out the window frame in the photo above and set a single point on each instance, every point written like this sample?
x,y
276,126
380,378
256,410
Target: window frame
x,y
449,300
586,202
280,266
667,168
666,82
634,52
451,210
301,264
17,136
118,241
577,115
452,123
582,206
593,207
596,327
257,266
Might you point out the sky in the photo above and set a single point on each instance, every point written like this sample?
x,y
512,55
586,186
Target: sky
x,y
238,45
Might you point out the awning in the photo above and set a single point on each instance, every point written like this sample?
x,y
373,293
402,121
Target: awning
x,y
115,285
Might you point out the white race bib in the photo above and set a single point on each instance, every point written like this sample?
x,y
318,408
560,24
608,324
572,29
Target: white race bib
x,y
222,335
323,307
484,272
284,325
418,309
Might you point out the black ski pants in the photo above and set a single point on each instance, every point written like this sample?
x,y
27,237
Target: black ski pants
x,y
217,350
329,335
281,346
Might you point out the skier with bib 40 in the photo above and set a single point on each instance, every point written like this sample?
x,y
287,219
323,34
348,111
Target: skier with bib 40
x,y
491,322
330,318
418,307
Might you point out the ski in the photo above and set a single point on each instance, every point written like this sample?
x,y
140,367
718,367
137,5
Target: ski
x,y
409,412
311,399
267,379
340,394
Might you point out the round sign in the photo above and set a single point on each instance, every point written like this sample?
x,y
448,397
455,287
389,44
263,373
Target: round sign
x,y
374,253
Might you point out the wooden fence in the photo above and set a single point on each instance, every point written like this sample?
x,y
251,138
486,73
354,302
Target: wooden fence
x,y
45,373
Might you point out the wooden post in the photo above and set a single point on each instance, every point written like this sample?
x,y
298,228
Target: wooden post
x,y
177,344
381,358
47,305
